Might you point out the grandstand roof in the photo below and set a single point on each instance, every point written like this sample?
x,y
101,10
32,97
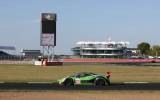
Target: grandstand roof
x,y
104,42
26,50
7,48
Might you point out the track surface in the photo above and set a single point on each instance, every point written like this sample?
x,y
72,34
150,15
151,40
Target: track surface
x,y
51,86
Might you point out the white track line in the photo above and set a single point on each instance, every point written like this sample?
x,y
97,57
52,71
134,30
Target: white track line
x,y
29,82
135,82
39,82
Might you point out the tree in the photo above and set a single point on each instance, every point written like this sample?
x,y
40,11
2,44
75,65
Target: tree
x,y
155,51
144,48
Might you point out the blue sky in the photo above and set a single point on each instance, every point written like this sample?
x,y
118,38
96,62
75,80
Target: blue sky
x,y
134,21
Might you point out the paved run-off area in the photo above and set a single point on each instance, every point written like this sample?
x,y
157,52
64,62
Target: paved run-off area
x,y
56,87
76,95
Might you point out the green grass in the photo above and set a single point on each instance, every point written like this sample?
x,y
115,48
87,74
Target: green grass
x,y
120,73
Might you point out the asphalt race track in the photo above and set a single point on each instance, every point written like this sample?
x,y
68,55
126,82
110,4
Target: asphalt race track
x,y
51,86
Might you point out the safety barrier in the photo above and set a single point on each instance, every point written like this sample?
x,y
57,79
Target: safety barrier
x,y
111,60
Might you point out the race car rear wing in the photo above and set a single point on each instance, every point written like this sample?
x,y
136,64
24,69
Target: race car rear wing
x,y
108,74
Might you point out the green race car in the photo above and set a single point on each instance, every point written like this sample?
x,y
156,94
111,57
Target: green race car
x,y
86,78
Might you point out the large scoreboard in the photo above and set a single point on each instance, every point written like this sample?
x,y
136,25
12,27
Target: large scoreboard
x,y
48,29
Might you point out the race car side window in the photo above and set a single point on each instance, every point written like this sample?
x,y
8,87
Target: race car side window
x,y
82,75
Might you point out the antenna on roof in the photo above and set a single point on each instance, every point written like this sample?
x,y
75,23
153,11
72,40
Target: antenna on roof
x,y
109,39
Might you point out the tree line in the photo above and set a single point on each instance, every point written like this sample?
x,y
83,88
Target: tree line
x,y
147,50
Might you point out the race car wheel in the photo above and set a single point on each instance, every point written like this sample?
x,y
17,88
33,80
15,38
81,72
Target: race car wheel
x,y
68,83
108,82
100,82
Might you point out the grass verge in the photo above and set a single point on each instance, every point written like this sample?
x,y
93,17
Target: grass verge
x,y
120,73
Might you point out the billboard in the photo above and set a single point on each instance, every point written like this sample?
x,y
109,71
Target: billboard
x,y
48,29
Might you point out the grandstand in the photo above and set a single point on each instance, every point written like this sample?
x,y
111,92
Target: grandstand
x,y
8,53
31,54
7,48
105,49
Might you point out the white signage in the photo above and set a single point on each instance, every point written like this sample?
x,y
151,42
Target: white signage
x,y
77,81
47,39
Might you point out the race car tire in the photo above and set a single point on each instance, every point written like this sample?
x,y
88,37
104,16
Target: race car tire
x,y
100,82
68,82
108,82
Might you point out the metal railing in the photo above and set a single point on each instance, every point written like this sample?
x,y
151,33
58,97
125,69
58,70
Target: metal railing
x,y
16,60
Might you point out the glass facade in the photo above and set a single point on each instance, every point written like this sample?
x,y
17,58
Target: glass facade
x,y
100,49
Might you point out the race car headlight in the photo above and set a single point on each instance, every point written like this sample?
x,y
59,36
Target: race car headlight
x,y
61,80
